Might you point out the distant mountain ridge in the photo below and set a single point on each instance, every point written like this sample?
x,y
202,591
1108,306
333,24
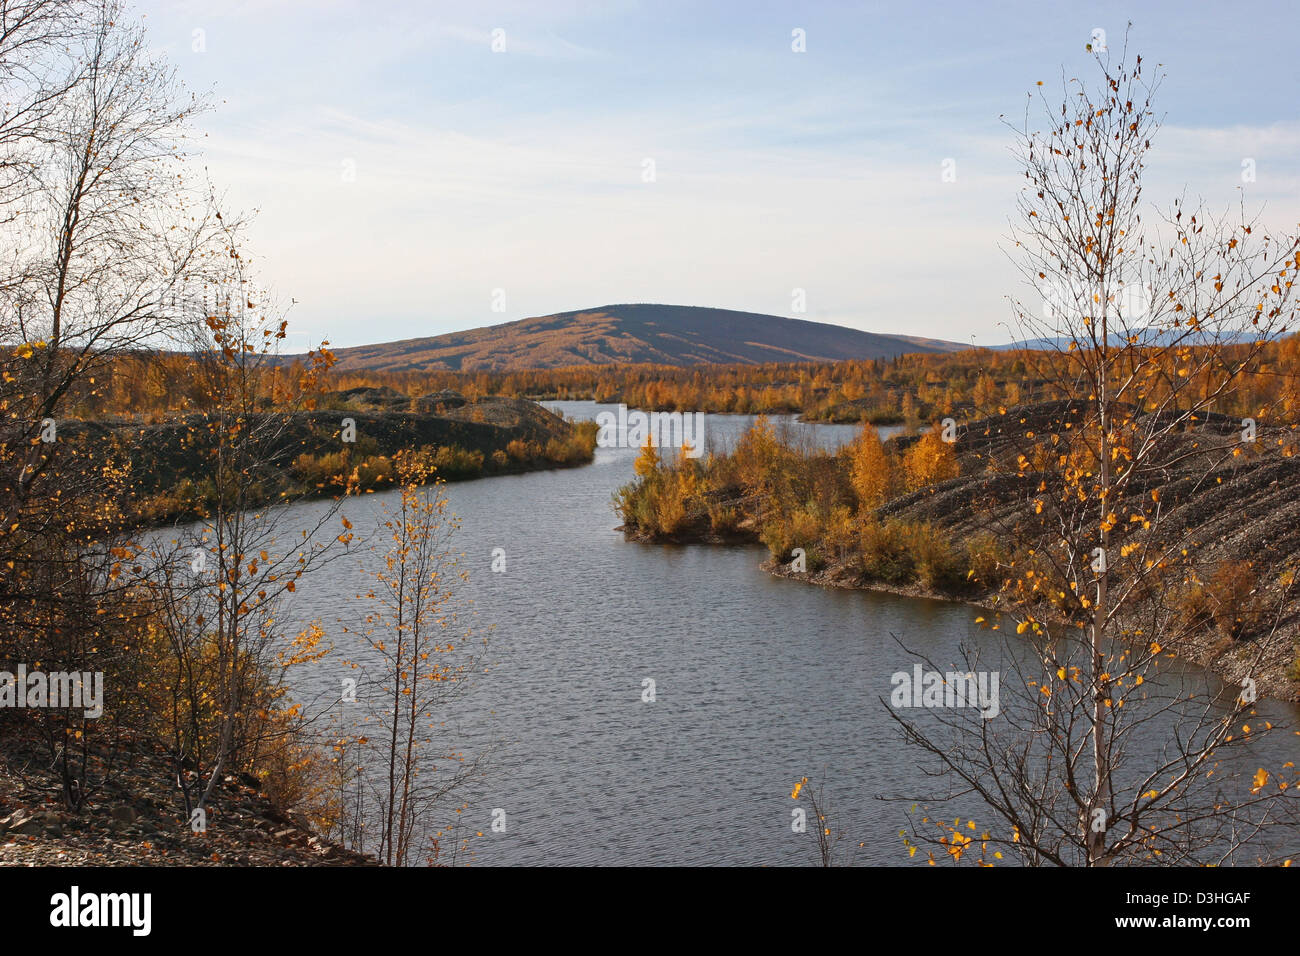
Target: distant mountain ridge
x,y
1146,337
679,335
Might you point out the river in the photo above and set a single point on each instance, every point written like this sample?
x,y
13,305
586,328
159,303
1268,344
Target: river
x,y
758,681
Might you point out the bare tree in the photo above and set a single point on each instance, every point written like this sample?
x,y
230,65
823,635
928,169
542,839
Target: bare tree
x,y
113,245
99,231
37,70
107,234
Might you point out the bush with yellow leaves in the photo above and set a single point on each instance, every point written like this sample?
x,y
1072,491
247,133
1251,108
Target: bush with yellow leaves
x,y
929,461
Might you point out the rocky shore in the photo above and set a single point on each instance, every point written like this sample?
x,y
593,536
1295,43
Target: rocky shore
x,y
1229,661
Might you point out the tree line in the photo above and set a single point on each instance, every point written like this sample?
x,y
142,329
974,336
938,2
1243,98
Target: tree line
x,y
908,389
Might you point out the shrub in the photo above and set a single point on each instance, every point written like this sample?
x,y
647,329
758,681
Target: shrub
x,y
807,526
1227,599
452,461
723,519
804,528
841,532
938,566
572,449
758,457
670,505
884,553
929,461
776,535
986,558
374,471
321,470
1236,609
869,468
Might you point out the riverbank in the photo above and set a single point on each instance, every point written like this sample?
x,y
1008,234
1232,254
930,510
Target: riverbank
x,y
135,817
1271,674
1230,662
970,521
349,447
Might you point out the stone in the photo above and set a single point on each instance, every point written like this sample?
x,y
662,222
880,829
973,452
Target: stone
x,y
15,820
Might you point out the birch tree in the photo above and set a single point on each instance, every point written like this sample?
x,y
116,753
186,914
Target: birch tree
x,y
419,664
1142,322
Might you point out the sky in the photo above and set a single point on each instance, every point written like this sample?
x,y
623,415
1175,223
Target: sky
x,y
422,168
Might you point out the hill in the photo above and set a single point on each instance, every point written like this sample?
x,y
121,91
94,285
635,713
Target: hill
x,y
679,335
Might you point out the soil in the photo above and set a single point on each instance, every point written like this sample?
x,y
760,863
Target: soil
x,y
136,817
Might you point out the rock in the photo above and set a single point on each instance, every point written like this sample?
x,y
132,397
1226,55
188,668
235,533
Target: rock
x,y
15,820
438,401
327,850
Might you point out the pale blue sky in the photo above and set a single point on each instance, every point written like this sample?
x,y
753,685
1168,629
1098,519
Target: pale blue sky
x,y
522,170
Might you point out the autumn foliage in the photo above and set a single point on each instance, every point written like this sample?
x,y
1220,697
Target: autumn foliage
x,y
929,461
